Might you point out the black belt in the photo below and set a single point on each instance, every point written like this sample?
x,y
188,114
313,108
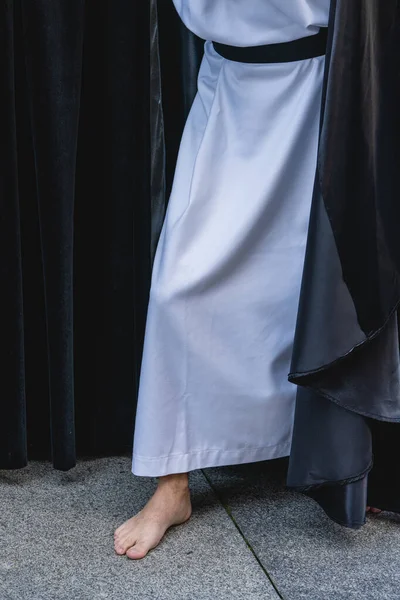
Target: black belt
x,y
307,47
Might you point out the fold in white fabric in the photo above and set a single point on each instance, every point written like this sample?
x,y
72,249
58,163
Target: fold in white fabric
x,y
227,274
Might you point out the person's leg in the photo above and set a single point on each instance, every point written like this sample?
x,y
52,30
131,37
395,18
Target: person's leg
x,y
169,506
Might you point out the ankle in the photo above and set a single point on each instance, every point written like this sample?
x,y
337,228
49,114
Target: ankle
x,y
176,482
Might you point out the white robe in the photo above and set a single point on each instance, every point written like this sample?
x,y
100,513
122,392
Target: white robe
x,y
228,268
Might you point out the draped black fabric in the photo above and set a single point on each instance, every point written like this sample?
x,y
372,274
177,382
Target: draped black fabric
x,y
346,355
75,227
180,56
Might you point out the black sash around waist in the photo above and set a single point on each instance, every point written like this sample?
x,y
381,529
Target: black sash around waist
x,y
302,49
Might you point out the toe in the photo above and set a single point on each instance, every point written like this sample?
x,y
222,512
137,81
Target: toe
x,y
119,547
137,551
122,543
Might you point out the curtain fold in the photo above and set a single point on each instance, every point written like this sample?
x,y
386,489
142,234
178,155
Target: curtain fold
x,y
53,45
13,443
180,57
157,137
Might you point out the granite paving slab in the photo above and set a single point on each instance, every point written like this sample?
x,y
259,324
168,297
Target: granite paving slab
x,y
307,555
56,540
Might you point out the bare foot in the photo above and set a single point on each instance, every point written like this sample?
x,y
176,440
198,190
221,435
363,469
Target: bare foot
x,y
169,506
373,510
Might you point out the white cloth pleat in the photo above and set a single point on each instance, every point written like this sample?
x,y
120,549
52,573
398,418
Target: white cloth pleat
x,y
228,268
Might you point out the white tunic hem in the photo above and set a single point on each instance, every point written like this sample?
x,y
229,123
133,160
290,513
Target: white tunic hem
x,y
183,463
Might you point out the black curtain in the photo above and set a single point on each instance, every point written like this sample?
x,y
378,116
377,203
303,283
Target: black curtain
x,y
83,188
75,225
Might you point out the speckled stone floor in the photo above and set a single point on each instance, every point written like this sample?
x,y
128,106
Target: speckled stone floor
x,y
249,538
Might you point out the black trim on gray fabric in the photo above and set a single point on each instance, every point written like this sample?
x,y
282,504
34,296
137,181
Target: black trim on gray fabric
x,y
304,489
295,375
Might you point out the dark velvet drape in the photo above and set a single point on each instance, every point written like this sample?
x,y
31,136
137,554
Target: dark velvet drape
x,y
95,98
180,56
75,225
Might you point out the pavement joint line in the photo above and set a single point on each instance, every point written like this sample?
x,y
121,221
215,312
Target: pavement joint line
x,y
250,547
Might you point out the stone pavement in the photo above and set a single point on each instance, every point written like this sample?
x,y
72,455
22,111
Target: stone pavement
x,y
249,538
